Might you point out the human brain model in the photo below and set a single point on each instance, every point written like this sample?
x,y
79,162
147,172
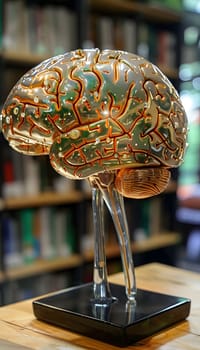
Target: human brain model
x,y
98,111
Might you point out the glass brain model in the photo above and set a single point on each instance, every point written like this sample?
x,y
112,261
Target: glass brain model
x,y
109,116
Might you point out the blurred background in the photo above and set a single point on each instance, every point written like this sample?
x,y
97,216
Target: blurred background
x,y
46,237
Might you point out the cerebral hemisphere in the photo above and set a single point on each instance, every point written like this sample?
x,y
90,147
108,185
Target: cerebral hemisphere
x,y
98,111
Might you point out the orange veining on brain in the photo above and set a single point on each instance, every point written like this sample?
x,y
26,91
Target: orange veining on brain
x,y
94,111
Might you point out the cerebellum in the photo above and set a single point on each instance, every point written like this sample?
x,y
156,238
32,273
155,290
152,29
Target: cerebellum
x,y
142,183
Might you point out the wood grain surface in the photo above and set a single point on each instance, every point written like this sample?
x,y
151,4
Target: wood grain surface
x,y
18,326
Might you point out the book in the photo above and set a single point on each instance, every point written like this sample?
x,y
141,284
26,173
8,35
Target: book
x,y
43,29
31,175
10,25
61,232
166,49
62,31
49,27
87,234
129,34
153,44
36,234
37,30
11,243
14,33
46,174
105,32
12,172
62,184
68,33
118,34
124,34
18,173
155,216
71,236
26,217
143,40
46,234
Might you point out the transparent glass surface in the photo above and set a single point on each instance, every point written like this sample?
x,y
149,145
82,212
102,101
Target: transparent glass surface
x,y
102,294
103,187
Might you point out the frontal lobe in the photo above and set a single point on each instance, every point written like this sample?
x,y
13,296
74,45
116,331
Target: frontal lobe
x,y
44,104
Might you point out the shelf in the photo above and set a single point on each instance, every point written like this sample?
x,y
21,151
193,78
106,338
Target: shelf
x,y
32,60
155,13
150,12
162,240
43,199
38,267
43,266
53,198
20,58
158,241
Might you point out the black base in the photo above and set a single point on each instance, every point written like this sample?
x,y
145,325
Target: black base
x,y
121,323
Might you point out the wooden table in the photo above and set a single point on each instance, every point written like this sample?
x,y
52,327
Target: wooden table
x,y
19,330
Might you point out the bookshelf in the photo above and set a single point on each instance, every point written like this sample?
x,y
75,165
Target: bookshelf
x,y
42,266
43,199
88,19
26,58
166,239
156,13
160,24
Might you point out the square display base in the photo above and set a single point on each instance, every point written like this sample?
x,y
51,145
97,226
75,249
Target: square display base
x,y
121,323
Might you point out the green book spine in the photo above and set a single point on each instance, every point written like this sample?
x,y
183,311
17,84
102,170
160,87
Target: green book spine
x,y
26,223
70,232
